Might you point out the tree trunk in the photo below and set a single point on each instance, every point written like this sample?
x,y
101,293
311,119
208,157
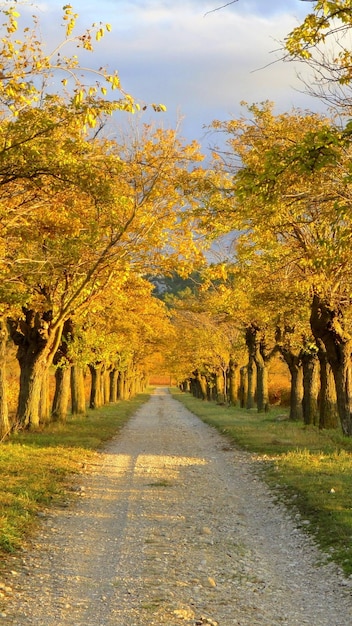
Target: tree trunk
x,y
250,383
294,364
44,405
37,343
328,415
233,382
310,370
186,386
120,385
62,394
133,383
5,426
328,325
106,385
256,345
78,399
202,385
243,387
113,385
62,361
95,400
262,385
220,386
126,385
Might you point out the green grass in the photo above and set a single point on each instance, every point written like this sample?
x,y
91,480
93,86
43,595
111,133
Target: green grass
x,y
308,469
36,469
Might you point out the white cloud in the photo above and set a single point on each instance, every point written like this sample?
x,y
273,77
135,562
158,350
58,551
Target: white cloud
x,y
205,65
200,64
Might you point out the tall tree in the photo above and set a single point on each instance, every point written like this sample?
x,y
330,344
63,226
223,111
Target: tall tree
x,y
76,209
323,42
293,191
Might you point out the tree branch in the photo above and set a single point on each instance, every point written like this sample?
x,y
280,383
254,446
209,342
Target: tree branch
x,y
219,8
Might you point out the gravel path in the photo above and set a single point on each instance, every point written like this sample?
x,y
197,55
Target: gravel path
x,y
174,528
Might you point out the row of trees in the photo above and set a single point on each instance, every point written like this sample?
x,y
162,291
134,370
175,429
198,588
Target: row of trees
x,y
83,218
282,184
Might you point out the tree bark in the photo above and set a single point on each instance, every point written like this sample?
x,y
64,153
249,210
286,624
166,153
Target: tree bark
x,y
310,370
328,325
5,426
62,361
133,383
220,386
294,364
126,385
328,415
44,406
120,385
78,399
233,381
202,385
250,402
106,385
37,342
62,394
114,373
95,400
257,349
243,386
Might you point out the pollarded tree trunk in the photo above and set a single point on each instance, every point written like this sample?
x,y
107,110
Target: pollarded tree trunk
x,y
5,426
202,385
133,383
233,383
186,386
294,364
328,415
95,400
250,402
62,361
262,385
311,386
44,406
257,349
220,385
123,385
78,397
62,393
251,338
37,340
106,384
210,385
126,385
113,376
243,386
120,385
328,324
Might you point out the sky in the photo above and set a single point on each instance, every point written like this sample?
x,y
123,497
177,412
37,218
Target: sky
x,y
196,58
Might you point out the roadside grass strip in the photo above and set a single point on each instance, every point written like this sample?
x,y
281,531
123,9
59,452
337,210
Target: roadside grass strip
x,y
308,469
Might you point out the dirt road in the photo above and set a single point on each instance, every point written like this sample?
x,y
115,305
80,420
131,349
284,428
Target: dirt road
x,y
172,527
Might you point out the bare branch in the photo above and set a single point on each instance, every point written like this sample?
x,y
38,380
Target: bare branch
x,y
219,8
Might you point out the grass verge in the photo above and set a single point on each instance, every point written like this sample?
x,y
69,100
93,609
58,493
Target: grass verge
x,y
36,469
308,469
